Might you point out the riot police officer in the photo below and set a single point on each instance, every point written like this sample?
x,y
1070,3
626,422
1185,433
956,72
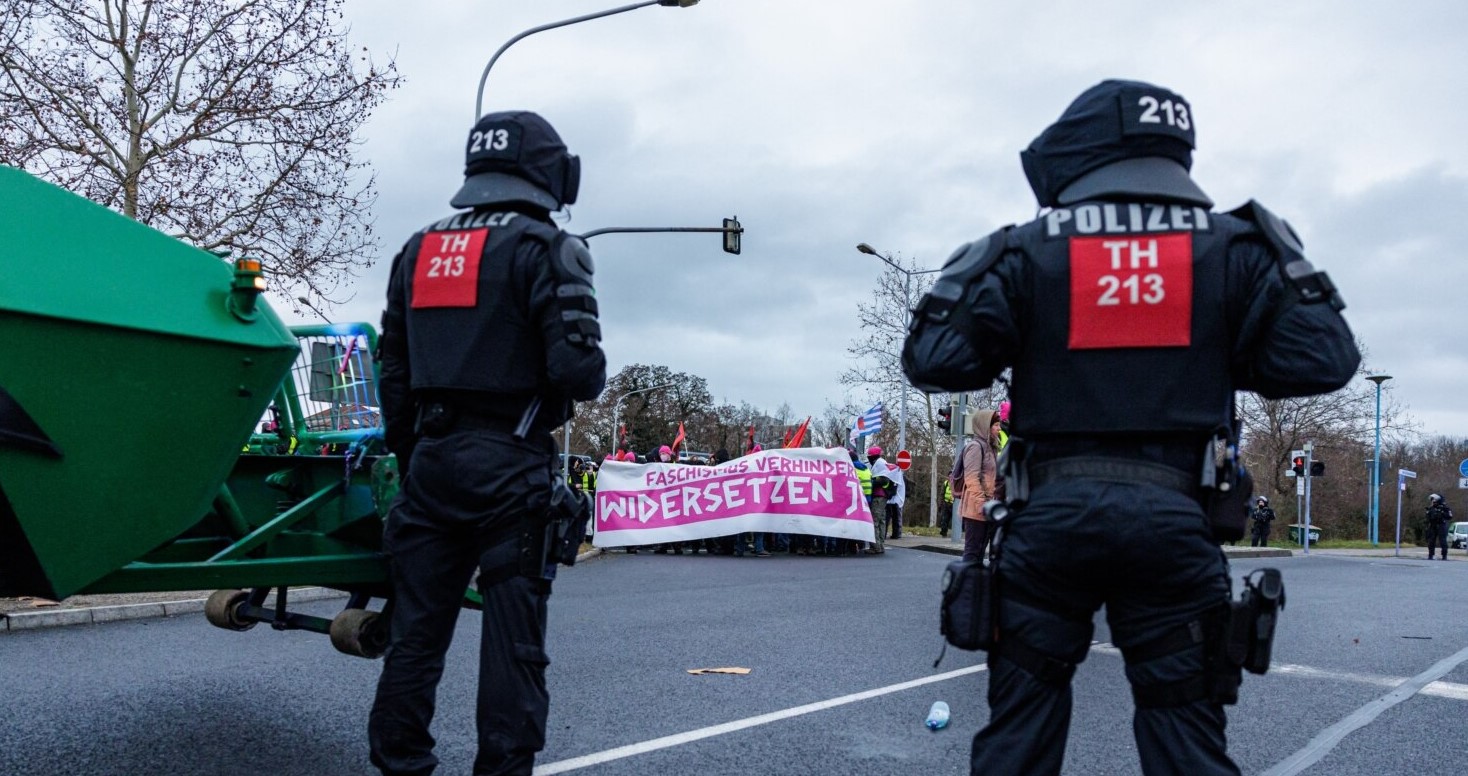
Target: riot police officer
x,y
1438,516
1129,313
1262,516
490,333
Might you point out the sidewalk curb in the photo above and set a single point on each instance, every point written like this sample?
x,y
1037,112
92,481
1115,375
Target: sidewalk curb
x,y
95,615
957,549
1259,552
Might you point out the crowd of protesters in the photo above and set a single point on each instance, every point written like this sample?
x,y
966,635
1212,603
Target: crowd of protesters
x,y
975,479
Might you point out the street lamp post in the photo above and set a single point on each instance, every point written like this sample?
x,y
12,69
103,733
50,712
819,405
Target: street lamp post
x,y
902,404
907,321
1376,461
616,405
307,302
479,99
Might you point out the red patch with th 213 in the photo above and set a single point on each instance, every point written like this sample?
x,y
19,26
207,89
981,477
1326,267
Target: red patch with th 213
x,y
1133,291
446,273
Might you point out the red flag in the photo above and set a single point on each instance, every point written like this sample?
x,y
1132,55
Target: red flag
x,y
678,440
798,438
749,444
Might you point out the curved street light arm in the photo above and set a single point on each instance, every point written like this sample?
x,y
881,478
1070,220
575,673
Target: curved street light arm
x,y
479,99
616,405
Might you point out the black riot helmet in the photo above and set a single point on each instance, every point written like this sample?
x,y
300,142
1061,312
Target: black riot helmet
x,y
1118,138
516,156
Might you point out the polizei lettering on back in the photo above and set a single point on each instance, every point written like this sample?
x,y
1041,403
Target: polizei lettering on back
x,y
1133,218
473,220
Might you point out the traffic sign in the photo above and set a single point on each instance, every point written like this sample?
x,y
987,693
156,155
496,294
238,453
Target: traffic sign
x,y
904,459
1463,482
1463,467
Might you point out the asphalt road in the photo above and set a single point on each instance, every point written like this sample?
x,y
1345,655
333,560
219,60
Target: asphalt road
x,y
1371,677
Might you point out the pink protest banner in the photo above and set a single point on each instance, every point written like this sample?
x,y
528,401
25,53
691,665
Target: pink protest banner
x,y
802,491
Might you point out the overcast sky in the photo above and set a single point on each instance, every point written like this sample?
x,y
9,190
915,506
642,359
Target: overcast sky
x,y
823,124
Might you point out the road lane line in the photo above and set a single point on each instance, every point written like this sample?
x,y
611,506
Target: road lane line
x,y
1451,690
1328,738
630,750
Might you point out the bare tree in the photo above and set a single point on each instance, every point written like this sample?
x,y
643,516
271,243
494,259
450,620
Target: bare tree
x,y
228,124
876,364
1341,426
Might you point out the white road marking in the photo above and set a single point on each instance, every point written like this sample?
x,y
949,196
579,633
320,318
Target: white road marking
x,y
1450,690
1328,738
1425,683
618,753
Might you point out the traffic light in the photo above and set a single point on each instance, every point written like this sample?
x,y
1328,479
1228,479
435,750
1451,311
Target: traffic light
x,y
945,418
1317,468
1298,465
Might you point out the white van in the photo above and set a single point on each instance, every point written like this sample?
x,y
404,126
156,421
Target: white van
x,y
1458,535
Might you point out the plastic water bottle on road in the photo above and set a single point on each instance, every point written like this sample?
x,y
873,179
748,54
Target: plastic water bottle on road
x,y
937,716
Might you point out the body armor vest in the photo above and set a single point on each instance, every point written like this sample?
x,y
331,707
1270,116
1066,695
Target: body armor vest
x,y
469,321
1126,322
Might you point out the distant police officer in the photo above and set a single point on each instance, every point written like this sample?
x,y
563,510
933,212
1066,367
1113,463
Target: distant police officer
x,y
490,333
1262,515
1438,516
1129,314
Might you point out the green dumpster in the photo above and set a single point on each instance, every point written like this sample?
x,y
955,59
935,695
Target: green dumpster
x,y
133,368
1295,529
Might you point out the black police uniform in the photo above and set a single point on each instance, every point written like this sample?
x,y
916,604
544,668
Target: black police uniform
x,y
1262,517
490,333
1129,314
1438,516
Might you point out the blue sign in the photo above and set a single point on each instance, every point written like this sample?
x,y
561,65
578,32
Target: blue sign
x,y
1463,467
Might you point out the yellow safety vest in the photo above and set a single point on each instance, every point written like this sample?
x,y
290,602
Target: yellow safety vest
x,y
865,475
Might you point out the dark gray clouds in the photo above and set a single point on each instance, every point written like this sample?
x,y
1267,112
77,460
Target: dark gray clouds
x,y
898,123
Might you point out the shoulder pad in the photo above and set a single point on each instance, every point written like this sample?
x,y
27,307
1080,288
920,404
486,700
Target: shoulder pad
x,y
572,258
569,257
539,230
966,265
1277,231
1314,286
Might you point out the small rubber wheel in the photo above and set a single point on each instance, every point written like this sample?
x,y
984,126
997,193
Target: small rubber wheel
x,y
223,610
359,632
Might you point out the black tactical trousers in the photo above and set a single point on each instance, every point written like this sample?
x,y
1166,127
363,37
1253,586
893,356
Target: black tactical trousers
x,y
457,510
1437,536
1145,553
1261,534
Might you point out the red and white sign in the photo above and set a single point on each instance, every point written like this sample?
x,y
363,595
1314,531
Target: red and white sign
x,y
904,459
446,272
1132,292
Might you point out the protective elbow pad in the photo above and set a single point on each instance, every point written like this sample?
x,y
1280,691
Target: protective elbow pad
x,y
572,266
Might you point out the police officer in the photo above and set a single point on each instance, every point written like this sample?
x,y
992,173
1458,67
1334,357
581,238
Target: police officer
x,y
1438,516
1262,516
490,333
1129,313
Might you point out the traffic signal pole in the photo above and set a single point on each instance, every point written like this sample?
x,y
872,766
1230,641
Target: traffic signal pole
x,y
957,423
1310,455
